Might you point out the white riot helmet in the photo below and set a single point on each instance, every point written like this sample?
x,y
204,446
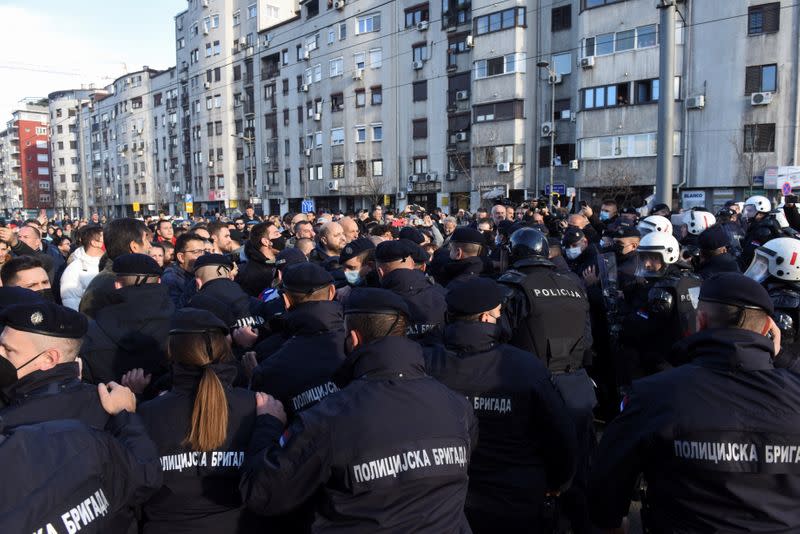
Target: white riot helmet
x,y
655,223
780,216
656,252
697,221
779,257
756,204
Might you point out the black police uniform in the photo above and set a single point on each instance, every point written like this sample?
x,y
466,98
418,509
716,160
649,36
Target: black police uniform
x,y
527,442
62,476
713,238
244,308
404,473
425,299
785,298
256,274
459,270
758,233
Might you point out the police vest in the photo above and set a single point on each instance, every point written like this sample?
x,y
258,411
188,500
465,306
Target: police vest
x,y
674,300
787,313
555,326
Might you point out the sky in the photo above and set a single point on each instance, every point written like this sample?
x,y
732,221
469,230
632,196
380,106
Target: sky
x,y
50,45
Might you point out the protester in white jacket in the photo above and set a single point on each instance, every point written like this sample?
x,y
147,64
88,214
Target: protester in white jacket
x,y
83,265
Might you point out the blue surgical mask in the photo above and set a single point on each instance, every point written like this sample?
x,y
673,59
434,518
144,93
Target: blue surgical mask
x,y
353,278
573,252
604,216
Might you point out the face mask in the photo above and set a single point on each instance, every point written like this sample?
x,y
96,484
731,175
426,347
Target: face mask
x,y
604,216
279,243
619,249
573,252
8,373
353,278
47,294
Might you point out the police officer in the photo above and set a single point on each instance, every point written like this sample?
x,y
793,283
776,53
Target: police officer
x,y
714,257
405,472
201,428
69,477
466,250
654,223
131,332
710,435
357,261
761,227
696,222
300,372
776,266
395,263
528,446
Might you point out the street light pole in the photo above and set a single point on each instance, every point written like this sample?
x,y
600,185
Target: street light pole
x,y
551,78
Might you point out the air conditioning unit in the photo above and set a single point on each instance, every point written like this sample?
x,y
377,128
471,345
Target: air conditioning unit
x,y
760,99
358,74
452,176
242,44
401,195
587,62
306,55
462,136
333,185
207,85
431,177
469,41
573,164
462,95
308,152
304,88
205,3
696,102
547,129
318,116
422,25
503,167
205,31
310,112
210,164
555,80
340,4
417,65
414,178
340,106
266,159
141,153
266,188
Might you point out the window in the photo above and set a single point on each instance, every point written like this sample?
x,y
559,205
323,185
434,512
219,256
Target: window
x,y
337,67
420,165
299,50
317,73
604,44
342,31
589,4
764,18
499,111
209,102
285,86
41,144
368,23
361,168
562,109
500,20
415,15
646,91
337,136
485,68
646,36
377,132
331,36
562,63
361,134
285,56
361,98
377,167
623,146
252,11
759,138
318,139
420,91
42,157
337,171
237,18
376,94
375,58
608,43
607,96
625,40
760,78
420,52
359,60
43,171
561,154
561,18
337,102
208,50
419,128
312,42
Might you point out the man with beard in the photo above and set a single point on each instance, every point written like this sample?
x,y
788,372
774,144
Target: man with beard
x,y
256,274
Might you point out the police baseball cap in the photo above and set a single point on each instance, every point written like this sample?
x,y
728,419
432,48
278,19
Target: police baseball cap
x,y
288,257
136,265
572,236
212,260
45,318
737,290
474,295
713,238
196,321
420,255
465,234
306,278
412,234
369,300
396,250
356,247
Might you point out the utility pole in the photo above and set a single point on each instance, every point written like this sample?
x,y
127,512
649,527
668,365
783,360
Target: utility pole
x,y
666,103
551,77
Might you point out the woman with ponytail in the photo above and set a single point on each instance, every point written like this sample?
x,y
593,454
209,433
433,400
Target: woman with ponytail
x,y
202,427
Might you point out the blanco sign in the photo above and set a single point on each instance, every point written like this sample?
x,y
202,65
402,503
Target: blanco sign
x,y
692,199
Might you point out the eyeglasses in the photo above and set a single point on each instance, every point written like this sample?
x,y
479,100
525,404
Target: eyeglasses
x,y
196,251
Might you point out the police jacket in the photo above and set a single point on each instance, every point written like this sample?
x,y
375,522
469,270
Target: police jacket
x,y
257,273
461,270
528,443
405,472
425,300
548,314
180,283
714,439
200,488
57,393
785,298
68,477
130,334
99,293
758,233
240,304
721,263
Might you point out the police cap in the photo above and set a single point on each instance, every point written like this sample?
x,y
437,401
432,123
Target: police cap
x,y
713,238
738,290
196,321
396,250
369,300
474,295
207,260
136,265
288,257
465,234
572,236
626,231
220,309
356,247
412,234
11,295
46,318
306,278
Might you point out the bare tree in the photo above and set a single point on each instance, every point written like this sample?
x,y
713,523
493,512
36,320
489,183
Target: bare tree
x,y
748,160
374,187
617,180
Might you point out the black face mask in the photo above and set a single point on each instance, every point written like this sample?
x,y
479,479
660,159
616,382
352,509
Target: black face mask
x,y
8,373
279,243
47,294
619,250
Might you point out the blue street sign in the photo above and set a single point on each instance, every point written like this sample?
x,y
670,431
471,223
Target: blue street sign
x,y
561,189
307,206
